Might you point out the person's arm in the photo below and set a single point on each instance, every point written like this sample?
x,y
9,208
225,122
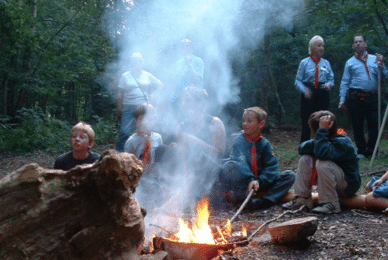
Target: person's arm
x,y
329,85
380,181
156,84
270,166
299,80
239,154
197,72
344,86
120,103
218,135
306,148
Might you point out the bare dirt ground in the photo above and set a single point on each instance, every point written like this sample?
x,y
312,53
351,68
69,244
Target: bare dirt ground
x,y
350,234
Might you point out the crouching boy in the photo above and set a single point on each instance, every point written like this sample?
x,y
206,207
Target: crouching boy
x,y
81,140
254,166
332,156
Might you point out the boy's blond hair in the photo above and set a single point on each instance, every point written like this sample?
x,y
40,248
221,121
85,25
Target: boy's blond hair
x,y
260,113
87,129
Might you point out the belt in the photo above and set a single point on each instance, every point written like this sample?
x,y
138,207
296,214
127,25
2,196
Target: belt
x,y
312,84
353,91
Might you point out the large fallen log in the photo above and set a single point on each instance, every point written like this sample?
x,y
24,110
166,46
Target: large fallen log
x,y
85,213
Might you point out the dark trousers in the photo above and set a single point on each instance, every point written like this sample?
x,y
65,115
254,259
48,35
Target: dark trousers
x,y
361,108
320,100
232,179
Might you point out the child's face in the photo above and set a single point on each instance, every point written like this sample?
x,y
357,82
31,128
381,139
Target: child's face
x,y
250,123
79,141
145,123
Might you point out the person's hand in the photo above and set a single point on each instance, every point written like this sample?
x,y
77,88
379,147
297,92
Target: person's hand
x,y
327,86
377,183
341,105
380,59
118,114
253,185
326,122
308,93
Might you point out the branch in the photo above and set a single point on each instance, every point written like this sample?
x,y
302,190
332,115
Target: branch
x,y
51,39
381,18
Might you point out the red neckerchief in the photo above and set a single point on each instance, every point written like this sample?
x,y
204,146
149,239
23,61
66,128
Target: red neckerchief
x,y
316,69
364,60
314,173
253,153
147,155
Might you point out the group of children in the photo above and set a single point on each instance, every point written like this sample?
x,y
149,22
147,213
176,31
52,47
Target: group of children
x,y
329,161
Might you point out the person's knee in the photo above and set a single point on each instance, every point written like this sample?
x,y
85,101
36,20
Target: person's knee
x,y
323,166
288,176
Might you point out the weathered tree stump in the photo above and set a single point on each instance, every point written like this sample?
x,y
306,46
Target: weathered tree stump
x,y
85,213
294,230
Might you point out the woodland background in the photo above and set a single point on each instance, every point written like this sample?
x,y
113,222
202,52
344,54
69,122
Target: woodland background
x,y
55,67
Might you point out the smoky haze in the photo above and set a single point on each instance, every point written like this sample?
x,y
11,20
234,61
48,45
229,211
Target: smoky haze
x,y
220,30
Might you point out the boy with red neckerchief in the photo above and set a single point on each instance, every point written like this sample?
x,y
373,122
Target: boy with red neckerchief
x,y
254,166
333,155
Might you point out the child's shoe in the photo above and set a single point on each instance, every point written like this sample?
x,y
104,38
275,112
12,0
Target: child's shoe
x,y
299,202
328,208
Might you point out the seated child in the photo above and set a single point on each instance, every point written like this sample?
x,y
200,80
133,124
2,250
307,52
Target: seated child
x,y
253,165
334,157
81,140
377,198
144,142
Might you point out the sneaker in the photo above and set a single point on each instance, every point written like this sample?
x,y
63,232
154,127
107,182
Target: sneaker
x,y
328,208
299,202
259,203
385,211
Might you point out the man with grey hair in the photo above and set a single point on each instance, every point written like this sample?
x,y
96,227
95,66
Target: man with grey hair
x,y
314,80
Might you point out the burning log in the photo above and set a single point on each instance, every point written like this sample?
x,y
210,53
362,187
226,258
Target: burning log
x,y
85,213
190,251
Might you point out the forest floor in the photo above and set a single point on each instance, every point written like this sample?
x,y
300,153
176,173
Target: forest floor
x,y
350,234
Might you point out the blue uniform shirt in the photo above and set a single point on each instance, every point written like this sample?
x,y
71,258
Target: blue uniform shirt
x,y
356,77
306,73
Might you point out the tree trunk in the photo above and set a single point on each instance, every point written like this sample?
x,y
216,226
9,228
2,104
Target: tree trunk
x,y
265,73
85,213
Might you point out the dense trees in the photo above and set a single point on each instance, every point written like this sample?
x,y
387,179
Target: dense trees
x,y
56,56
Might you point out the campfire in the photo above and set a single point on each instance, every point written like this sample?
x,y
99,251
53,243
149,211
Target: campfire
x,y
198,239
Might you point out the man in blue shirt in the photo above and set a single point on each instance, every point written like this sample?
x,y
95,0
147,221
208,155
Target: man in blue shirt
x,y
359,87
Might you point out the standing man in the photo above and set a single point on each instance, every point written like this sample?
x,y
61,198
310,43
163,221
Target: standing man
x,y
188,71
359,87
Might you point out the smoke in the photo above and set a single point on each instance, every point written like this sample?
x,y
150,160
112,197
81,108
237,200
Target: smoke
x,y
221,31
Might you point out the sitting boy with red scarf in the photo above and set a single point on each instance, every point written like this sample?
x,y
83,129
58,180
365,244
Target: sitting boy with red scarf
x,y
333,156
254,166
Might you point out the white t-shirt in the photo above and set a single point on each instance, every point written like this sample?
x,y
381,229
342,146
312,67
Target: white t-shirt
x,y
136,91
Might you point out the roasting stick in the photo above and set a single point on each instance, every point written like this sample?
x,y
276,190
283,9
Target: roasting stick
x,y
162,229
271,220
242,205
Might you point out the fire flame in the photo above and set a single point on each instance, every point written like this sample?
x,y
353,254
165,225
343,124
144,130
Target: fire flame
x,y
200,230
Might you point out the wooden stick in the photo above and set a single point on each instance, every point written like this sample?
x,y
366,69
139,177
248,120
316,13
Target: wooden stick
x,y
271,220
162,229
379,137
242,206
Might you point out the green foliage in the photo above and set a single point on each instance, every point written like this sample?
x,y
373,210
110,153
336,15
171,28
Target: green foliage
x,y
34,131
